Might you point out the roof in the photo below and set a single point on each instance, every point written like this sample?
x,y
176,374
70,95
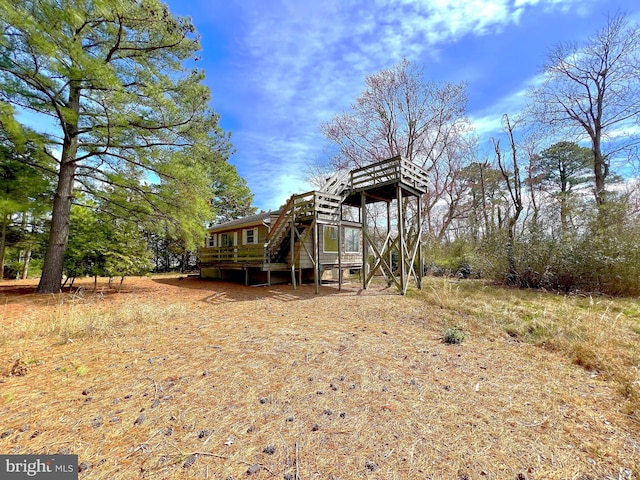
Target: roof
x,y
251,220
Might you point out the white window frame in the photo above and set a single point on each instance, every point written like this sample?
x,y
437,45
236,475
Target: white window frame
x,y
358,243
211,241
245,236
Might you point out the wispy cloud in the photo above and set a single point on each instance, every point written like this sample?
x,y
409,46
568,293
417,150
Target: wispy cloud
x,y
488,121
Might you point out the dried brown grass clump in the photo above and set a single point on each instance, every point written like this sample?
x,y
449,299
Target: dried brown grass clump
x,y
193,379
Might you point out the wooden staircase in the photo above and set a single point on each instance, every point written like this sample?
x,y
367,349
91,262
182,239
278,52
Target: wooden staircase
x,y
299,213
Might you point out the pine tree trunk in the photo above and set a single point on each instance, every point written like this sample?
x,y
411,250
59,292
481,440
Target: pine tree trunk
x,y
25,255
563,214
3,237
51,279
24,273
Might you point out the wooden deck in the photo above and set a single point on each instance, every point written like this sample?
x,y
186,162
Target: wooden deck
x,y
381,179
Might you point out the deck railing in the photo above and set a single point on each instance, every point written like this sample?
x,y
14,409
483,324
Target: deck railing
x,y
392,170
327,204
304,205
226,255
310,204
338,183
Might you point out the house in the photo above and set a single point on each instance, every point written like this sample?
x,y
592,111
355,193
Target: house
x,y
322,234
243,250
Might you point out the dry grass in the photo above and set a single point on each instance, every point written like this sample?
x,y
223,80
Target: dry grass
x,y
600,334
193,379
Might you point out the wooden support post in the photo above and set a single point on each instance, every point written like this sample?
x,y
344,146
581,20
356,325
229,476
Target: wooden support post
x,y
340,253
268,255
316,252
388,233
293,243
365,245
300,273
401,242
246,276
340,249
419,240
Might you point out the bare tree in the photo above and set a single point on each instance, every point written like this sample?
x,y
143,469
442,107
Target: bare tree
x,y
450,181
595,89
511,174
400,113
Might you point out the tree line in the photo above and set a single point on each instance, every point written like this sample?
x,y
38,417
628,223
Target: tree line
x,y
123,162
554,201
127,162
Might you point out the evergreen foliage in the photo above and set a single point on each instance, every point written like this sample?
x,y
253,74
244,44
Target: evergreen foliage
x,y
129,117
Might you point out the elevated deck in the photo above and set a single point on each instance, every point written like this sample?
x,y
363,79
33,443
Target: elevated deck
x,y
381,180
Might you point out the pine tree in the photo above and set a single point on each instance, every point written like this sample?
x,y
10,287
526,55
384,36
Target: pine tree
x,y
109,78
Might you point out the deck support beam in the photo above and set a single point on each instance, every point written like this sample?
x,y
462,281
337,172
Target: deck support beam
x,y
340,250
401,241
365,243
406,245
316,250
419,241
399,257
389,233
293,244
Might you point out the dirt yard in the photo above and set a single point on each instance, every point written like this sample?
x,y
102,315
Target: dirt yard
x,y
184,378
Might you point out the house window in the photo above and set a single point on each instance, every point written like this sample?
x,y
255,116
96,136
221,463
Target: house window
x,y
250,236
330,234
352,240
226,240
212,240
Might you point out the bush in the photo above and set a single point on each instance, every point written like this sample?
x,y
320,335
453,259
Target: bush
x,y
603,256
455,259
453,336
12,270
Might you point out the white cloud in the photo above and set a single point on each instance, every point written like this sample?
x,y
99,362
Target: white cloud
x,y
488,122
296,50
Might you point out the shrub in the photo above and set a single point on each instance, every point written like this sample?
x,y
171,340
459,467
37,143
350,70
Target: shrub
x,y
454,259
453,336
602,255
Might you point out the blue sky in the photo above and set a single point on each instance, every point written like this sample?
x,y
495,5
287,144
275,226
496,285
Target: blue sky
x,y
279,69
